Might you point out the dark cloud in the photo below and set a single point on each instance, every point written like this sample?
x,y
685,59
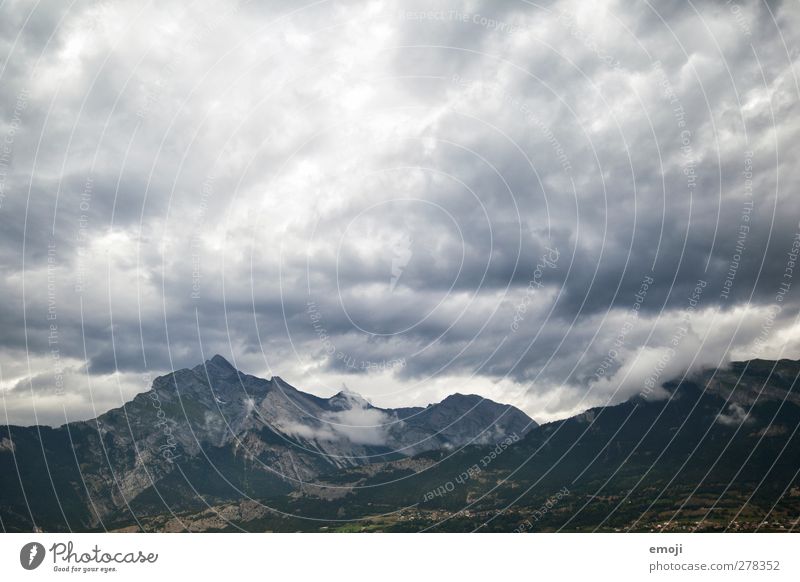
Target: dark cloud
x,y
368,192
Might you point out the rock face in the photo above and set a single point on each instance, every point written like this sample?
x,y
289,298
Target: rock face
x,y
215,433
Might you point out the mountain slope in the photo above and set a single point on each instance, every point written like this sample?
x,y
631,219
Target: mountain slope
x,y
212,433
722,451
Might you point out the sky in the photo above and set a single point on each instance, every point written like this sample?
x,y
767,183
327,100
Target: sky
x,y
556,205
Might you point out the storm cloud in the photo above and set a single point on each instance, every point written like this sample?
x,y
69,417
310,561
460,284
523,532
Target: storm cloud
x,y
548,204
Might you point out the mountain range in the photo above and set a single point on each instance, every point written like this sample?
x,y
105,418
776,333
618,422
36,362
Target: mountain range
x,y
214,449
213,431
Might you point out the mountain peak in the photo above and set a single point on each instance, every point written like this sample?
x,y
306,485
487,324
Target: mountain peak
x,y
347,398
466,398
216,367
346,391
220,362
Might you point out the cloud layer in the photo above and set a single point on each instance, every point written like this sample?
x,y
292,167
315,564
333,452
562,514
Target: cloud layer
x,y
415,199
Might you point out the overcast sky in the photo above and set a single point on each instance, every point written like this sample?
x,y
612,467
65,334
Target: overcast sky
x,y
548,204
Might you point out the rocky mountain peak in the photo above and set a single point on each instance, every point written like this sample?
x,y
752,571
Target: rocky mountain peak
x,y
464,399
347,399
216,366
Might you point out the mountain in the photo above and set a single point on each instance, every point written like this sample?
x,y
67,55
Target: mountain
x,y
721,452
213,433
213,449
